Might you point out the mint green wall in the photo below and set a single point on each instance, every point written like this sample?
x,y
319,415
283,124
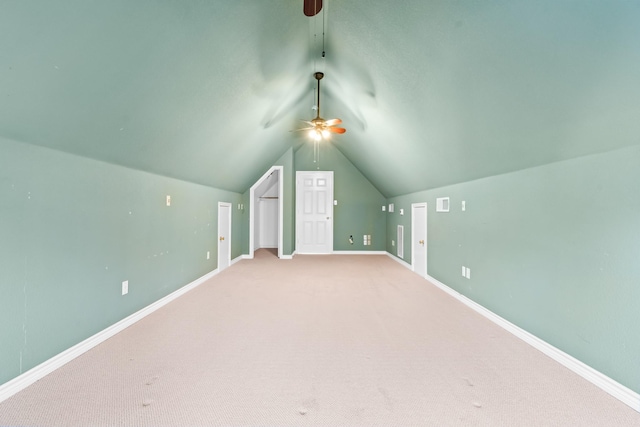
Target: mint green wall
x,y
359,209
288,219
72,229
553,249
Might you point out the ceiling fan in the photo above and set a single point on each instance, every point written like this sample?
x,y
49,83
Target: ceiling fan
x,y
319,127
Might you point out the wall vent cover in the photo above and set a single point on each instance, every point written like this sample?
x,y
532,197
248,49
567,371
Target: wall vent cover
x,y
442,204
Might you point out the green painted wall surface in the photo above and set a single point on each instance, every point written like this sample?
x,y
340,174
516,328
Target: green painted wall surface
x,y
288,222
72,229
359,209
553,249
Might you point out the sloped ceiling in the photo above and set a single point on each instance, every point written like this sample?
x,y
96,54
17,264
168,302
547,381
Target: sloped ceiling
x,y
432,92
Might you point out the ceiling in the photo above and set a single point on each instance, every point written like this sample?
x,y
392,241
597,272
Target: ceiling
x,y
432,92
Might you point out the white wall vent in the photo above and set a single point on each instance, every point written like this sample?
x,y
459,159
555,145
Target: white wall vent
x,y
442,204
400,241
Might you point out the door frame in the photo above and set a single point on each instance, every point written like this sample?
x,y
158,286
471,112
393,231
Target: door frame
x,y
252,208
414,206
299,200
230,206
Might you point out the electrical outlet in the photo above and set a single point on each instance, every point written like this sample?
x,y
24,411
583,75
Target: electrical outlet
x,y
384,209
468,276
125,287
168,200
208,254
464,271
464,206
393,243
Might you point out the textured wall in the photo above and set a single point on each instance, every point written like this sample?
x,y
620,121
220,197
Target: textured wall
x,y
288,185
72,229
552,249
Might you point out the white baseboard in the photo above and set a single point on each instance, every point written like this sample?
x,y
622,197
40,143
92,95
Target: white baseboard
x,y
400,261
614,388
239,258
359,252
24,380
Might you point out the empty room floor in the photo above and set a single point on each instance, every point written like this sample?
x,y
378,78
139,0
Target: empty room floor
x,y
336,340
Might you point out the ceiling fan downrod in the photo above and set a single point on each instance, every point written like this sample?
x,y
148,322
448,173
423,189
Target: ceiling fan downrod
x,y
318,75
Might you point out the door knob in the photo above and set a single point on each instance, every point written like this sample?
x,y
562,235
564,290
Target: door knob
x,y
221,238
421,242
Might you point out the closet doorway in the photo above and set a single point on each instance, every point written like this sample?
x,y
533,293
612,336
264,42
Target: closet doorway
x,y
266,213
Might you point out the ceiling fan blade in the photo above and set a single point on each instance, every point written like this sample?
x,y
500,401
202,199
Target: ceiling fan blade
x,y
336,130
312,7
333,122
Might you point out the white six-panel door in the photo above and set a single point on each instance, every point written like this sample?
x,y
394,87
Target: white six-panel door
x,y
314,212
224,235
419,238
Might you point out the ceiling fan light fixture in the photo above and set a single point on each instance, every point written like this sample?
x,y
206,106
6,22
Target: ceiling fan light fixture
x,y
315,134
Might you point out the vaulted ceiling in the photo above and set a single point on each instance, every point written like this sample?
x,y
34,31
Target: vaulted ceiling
x,y
432,92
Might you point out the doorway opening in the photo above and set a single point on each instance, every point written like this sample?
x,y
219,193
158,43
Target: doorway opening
x,y
266,212
400,241
419,238
224,235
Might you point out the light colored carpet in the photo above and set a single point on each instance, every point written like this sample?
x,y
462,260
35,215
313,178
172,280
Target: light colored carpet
x,y
316,341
